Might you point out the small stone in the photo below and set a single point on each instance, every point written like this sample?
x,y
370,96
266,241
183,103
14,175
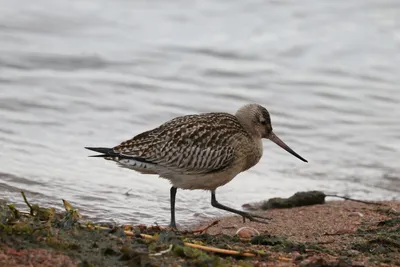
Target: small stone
x,y
353,252
356,214
247,232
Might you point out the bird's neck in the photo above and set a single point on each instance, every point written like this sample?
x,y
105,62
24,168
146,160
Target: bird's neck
x,y
247,125
254,154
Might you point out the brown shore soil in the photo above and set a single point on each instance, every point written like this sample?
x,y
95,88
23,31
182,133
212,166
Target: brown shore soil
x,y
336,233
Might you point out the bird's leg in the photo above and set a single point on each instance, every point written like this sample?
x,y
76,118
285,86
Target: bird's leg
x,y
251,217
172,201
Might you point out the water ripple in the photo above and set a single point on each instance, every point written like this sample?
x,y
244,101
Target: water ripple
x,y
326,71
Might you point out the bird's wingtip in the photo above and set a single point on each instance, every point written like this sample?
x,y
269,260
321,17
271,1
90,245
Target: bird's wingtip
x,y
104,150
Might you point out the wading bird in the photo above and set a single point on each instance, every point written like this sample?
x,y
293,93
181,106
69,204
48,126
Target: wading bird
x,y
202,151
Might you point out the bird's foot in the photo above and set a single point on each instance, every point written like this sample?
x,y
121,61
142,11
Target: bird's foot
x,y
255,218
173,226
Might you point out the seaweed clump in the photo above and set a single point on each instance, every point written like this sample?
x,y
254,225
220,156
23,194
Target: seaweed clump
x,y
380,241
109,245
298,199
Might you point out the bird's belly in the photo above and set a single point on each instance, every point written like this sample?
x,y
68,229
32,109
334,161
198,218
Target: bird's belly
x,y
202,181
144,168
208,181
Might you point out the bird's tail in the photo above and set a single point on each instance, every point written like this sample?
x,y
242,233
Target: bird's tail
x,y
105,152
110,154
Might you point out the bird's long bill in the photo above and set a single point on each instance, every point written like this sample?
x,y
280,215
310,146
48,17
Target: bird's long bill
x,y
280,143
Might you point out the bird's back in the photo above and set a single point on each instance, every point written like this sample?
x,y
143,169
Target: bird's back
x,y
191,144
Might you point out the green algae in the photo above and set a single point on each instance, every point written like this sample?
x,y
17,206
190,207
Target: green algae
x,y
390,222
381,242
95,246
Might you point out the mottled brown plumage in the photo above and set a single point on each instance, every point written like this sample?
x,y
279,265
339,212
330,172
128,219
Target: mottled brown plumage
x,y
202,151
193,144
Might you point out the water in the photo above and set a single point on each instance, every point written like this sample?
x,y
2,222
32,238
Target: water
x,y
94,73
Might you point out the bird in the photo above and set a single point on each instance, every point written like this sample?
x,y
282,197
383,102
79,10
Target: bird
x,y
201,151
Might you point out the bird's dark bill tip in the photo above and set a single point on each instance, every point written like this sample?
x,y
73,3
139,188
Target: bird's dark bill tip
x,y
280,143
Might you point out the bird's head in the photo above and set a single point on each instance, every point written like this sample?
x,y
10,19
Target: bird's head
x,y
257,121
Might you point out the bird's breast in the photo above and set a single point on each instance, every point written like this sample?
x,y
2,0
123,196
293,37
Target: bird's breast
x,y
252,154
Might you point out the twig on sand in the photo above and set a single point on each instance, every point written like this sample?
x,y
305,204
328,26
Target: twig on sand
x,y
202,230
340,232
356,200
163,251
220,250
284,259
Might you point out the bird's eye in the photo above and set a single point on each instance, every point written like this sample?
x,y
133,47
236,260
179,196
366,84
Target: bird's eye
x,y
263,122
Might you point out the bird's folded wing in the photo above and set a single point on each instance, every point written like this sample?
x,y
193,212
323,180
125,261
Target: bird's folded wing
x,y
187,145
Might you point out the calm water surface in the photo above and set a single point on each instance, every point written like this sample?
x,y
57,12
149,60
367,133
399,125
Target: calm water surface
x,y
94,73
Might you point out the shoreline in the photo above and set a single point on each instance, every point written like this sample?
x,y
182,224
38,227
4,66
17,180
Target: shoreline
x,y
336,233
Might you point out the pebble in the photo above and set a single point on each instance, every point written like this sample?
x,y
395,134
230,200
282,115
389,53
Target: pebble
x,y
359,214
353,252
247,232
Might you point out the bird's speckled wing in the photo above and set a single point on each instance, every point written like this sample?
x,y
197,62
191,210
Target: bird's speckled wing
x,y
192,144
